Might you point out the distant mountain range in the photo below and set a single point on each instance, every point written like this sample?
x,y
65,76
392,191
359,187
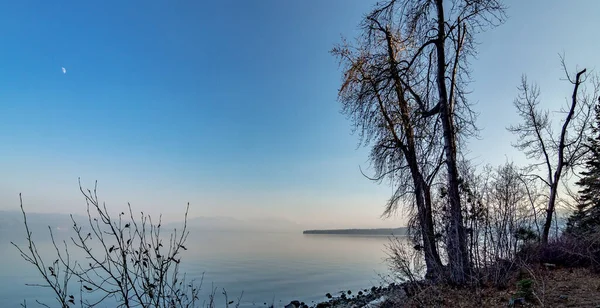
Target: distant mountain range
x,y
11,224
382,231
12,227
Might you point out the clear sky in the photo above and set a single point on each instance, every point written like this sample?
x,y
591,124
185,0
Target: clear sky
x,y
229,105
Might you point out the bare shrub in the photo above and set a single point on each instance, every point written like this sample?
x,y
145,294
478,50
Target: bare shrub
x,y
566,251
127,262
405,263
500,216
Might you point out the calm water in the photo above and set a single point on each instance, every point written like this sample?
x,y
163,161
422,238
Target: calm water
x,y
267,267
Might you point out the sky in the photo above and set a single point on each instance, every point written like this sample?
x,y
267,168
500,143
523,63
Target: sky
x,y
231,105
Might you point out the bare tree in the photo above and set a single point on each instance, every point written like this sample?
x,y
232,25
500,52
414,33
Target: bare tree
x,y
404,147
412,58
126,260
453,41
556,155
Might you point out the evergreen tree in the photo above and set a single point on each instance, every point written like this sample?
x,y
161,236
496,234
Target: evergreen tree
x,y
587,216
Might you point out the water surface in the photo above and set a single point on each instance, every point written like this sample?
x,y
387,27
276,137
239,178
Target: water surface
x,y
267,267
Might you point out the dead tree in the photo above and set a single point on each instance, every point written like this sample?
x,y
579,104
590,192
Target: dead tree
x,y
556,155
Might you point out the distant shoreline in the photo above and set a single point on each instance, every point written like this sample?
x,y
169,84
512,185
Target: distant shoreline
x,y
402,231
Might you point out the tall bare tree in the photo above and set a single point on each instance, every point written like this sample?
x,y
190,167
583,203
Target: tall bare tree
x,y
405,148
555,154
452,37
422,48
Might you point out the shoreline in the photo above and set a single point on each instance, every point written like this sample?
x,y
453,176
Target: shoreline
x,y
376,297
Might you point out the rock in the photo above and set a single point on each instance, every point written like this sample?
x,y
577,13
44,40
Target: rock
x,y
550,266
323,305
295,304
376,303
349,292
513,301
328,295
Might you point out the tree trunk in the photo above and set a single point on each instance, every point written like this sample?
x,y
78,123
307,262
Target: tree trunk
x,y
423,200
429,245
422,194
549,213
561,161
457,248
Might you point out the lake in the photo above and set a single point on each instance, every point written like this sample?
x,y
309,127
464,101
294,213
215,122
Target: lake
x,y
267,267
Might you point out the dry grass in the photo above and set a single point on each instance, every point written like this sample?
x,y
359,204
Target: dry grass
x,y
577,287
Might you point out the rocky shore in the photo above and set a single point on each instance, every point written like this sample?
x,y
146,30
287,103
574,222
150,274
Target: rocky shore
x,y
569,287
376,297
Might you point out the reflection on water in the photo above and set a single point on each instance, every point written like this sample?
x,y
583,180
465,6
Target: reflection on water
x,y
267,267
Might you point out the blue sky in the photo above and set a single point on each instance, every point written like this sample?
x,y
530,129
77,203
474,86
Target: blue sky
x,y
229,105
